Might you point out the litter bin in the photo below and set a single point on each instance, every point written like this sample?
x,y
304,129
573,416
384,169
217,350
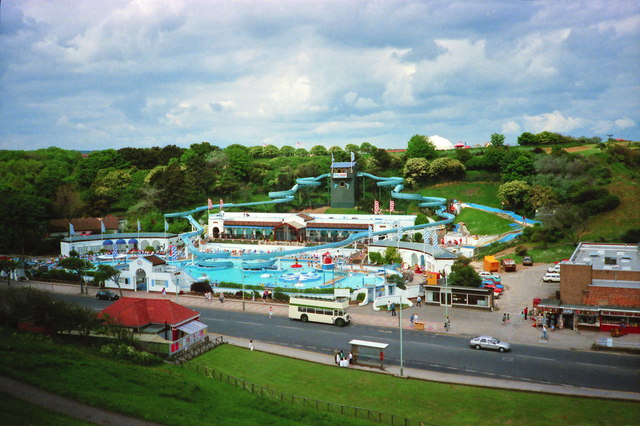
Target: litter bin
x,y
418,325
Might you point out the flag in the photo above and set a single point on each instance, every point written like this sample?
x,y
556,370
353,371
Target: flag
x,y
399,234
102,226
138,225
221,204
392,206
115,251
298,144
370,231
209,203
72,230
166,226
353,157
173,252
376,207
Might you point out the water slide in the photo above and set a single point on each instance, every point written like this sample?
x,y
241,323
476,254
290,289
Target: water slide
x,y
210,258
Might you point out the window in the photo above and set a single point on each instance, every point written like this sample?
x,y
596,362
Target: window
x,y
610,261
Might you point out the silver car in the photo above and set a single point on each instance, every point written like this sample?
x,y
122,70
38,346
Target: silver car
x,y
489,342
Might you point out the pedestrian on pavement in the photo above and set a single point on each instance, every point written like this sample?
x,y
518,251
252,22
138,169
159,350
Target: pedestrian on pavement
x,y
221,297
544,332
418,301
504,319
508,318
393,309
350,357
270,312
447,324
338,358
164,291
389,306
264,297
521,315
251,345
411,320
526,311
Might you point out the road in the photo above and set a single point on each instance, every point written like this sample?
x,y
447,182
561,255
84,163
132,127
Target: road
x,y
430,351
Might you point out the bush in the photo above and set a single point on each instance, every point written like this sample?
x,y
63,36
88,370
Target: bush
x,y
521,250
283,297
129,353
375,258
360,297
201,287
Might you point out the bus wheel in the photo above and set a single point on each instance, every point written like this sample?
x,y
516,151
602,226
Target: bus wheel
x,y
304,318
340,322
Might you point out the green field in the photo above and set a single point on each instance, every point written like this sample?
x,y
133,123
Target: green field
x,y
168,394
480,222
485,193
18,412
545,255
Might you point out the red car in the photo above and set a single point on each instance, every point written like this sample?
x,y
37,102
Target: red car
x,y
497,290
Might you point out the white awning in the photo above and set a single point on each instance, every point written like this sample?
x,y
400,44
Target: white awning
x,y
367,344
192,327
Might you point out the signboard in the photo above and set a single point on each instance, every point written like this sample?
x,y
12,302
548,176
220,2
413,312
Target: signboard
x,y
339,175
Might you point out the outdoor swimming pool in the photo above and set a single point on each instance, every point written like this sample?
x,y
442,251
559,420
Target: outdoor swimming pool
x,y
283,276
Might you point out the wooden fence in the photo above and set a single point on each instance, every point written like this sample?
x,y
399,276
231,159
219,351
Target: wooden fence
x,y
286,398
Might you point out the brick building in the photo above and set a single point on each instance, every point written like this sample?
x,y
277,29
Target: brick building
x,y
599,288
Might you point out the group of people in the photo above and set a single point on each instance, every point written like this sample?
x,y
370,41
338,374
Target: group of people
x,y
342,360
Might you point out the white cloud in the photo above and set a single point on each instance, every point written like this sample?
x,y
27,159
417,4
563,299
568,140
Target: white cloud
x,y
552,122
625,123
511,128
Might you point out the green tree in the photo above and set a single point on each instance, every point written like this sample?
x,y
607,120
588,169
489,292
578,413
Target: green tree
x,y
521,168
318,150
270,151
338,154
497,139
445,168
7,266
421,146
416,171
514,194
287,151
528,139
78,265
542,196
352,148
367,148
107,273
463,275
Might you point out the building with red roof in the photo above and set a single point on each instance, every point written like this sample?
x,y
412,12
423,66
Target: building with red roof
x,y
161,325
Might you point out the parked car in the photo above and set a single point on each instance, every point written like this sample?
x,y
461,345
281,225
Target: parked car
x,y
497,288
527,261
554,268
491,281
495,277
551,277
489,342
508,265
106,295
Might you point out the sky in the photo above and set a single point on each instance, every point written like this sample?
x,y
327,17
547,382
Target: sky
x,y
90,75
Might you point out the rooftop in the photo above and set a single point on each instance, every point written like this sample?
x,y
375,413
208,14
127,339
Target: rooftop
x,y
602,256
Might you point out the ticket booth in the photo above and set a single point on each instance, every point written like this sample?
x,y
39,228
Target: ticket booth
x,y
368,353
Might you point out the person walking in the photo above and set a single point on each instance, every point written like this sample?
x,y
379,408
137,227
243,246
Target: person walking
x,y
418,301
508,318
393,309
504,319
411,320
544,332
447,324
270,312
526,311
389,306
251,345
164,291
221,298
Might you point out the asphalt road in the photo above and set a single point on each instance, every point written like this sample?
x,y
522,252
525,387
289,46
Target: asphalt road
x,y
429,351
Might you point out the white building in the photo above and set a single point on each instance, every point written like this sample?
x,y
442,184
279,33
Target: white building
x,y
123,242
151,274
441,143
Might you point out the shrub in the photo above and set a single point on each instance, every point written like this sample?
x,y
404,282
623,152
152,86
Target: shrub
x,y
281,296
201,287
129,353
521,250
360,297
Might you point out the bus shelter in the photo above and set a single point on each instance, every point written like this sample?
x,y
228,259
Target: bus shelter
x,y
368,353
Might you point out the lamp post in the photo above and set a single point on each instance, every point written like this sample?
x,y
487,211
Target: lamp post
x,y
400,319
243,308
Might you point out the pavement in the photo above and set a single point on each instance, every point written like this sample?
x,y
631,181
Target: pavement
x,y
521,287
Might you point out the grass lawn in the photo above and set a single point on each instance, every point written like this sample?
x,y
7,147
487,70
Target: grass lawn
x,y
610,225
437,403
545,255
480,222
163,394
485,193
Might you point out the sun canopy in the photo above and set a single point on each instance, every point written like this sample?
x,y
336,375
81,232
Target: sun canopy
x,y
121,241
133,241
107,243
192,327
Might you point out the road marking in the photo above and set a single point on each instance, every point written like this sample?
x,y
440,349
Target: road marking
x,y
536,357
287,326
248,323
596,365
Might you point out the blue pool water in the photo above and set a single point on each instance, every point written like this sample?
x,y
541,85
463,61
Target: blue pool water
x,y
284,276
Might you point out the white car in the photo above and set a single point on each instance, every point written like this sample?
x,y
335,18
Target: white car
x,y
551,277
485,274
489,342
554,268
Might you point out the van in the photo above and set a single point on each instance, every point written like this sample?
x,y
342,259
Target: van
x,y
551,277
508,265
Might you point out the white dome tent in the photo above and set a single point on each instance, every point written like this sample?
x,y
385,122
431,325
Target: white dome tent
x,y
441,143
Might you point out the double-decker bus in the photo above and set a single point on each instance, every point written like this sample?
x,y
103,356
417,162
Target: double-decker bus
x,y
320,309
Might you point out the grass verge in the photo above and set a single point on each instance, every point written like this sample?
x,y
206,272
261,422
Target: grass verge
x,y
485,193
18,412
483,223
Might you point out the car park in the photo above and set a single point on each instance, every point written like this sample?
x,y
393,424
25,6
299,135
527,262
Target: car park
x,y
106,295
527,261
551,277
489,342
491,281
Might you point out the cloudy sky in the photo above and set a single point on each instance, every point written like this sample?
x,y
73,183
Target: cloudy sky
x,y
91,74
